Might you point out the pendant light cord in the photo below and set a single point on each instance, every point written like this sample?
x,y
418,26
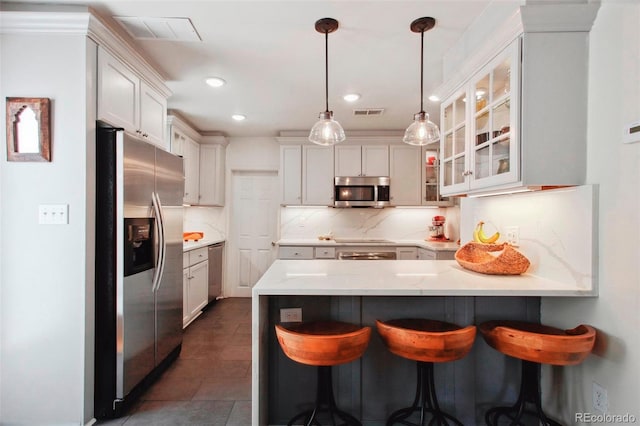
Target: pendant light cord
x,y
421,71
326,70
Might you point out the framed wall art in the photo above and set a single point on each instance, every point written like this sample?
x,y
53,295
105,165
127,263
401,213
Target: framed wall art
x,y
28,129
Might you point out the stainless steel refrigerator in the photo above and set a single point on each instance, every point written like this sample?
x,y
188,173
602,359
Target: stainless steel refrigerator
x,y
139,190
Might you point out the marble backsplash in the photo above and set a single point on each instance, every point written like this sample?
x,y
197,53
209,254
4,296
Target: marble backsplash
x,y
391,223
210,220
557,229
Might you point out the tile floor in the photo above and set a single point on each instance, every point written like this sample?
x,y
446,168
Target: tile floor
x,y
210,383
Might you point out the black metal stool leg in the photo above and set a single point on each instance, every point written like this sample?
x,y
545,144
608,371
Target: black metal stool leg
x,y
425,402
529,394
325,403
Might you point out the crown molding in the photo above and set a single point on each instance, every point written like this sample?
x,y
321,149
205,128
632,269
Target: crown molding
x,y
62,20
500,38
184,126
529,18
36,22
567,17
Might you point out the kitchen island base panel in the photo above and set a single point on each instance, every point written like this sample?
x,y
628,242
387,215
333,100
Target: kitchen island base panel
x,y
374,386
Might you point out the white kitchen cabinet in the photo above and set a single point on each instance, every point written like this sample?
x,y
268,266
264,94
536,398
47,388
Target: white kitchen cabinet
x,y
204,163
361,160
526,126
177,141
430,167
295,252
317,175
406,253
306,252
191,171
153,115
324,253
211,173
405,165
127,101
195,284
291,174
426,254
306,175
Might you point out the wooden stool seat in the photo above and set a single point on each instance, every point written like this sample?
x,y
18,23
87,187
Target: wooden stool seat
x,y
323,344
426,342
539,343
534,344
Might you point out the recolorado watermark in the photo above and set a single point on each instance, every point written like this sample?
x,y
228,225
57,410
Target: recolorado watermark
x,y
605,418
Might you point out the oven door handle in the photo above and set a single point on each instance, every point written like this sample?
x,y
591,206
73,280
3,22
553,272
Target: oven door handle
x,y
367,256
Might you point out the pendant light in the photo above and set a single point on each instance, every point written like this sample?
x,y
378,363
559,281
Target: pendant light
x,y
422,131
326,131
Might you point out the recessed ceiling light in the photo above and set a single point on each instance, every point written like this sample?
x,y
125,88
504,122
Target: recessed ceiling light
x,y
215,82
434,98
351,97
238,117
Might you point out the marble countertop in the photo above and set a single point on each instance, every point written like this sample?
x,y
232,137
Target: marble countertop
x,y
400,278
192,245
431,245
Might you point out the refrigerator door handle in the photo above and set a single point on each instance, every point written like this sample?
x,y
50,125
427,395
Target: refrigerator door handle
x,y
157,207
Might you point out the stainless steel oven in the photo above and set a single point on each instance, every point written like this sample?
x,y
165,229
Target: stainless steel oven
x,y
366,253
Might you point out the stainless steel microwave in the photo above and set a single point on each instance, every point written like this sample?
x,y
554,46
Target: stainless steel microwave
x,y
360,191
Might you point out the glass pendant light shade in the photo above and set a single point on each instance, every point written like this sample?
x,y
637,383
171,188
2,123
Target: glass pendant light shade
x,y
422,131
327,131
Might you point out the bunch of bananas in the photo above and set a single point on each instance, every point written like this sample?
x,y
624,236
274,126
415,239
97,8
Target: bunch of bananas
x,y
480,237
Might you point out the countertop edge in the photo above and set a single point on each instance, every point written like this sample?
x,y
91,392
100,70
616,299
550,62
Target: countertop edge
x,y
192,245
402,278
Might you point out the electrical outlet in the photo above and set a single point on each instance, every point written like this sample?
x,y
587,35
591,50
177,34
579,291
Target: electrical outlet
x,y
512,234
291,315
600,400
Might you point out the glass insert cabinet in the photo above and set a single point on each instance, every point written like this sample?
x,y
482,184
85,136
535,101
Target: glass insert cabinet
x,y
431,195
478,142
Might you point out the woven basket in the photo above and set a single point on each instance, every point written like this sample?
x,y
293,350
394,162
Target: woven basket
x,y
492,259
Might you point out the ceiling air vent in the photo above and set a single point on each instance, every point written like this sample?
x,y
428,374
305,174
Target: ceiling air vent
x,y
175,29
368,111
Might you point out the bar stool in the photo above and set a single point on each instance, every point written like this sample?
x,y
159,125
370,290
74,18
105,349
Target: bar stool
x,y
426,342
534,344
323,344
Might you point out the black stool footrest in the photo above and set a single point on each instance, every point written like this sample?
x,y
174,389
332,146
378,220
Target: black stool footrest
x,y
325,404
425,403
529,394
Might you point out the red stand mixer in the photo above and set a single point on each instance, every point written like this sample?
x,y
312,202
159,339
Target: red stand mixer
x,y
436,230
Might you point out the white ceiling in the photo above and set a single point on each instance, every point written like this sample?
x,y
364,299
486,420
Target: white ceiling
x,y
273,59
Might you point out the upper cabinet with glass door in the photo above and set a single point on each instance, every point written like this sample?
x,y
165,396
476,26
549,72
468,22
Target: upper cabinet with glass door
x,y
453,149
479,142
494,122
519,122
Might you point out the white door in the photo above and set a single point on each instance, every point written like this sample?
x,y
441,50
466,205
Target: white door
x,y
253,229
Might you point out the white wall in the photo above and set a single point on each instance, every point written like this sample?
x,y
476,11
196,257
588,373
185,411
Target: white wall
x,y
45,335
614,99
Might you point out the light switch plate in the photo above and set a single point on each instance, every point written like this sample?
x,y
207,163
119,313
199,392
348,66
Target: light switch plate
x,y
53,214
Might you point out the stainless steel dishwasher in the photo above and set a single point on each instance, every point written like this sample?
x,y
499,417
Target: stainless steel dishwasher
x,y
216,252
